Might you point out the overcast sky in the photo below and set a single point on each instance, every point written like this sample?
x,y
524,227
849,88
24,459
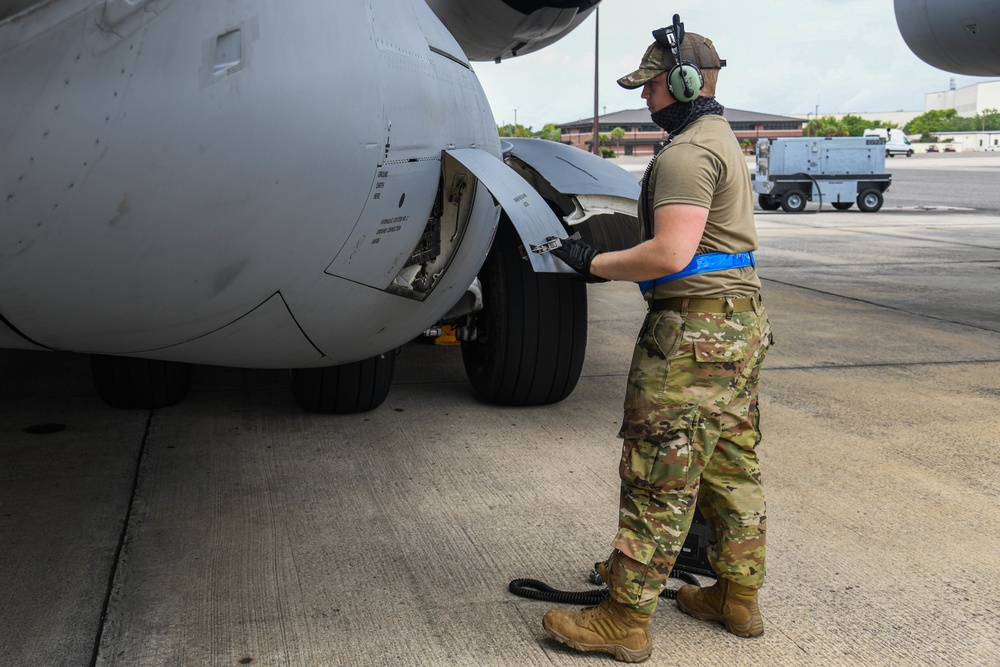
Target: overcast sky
x,y
784,57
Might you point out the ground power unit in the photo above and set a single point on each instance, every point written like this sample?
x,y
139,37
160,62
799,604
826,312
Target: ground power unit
x,y
840,171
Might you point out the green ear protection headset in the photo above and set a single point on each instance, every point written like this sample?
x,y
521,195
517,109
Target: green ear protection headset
x,y
685,80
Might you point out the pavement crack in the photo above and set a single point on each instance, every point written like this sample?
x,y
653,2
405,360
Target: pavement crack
x,y
880,305
122,539
789,637
919,237
884,364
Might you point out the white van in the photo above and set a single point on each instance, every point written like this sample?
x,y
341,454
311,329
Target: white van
x,y
895,141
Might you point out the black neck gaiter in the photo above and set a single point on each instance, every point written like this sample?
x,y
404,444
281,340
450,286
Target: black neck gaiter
x,y
677,116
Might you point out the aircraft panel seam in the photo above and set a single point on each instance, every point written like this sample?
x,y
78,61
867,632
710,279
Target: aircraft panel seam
x,y
297,325
450,57
246,314
9,325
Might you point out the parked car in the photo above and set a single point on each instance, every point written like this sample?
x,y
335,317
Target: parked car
x,y
992,149
933,149
949,149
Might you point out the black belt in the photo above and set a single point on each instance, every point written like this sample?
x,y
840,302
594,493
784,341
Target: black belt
x,y
742,304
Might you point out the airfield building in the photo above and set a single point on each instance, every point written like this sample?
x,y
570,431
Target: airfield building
x,y
642,137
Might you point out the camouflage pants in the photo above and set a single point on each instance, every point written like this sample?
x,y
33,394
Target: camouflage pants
x,y
691,427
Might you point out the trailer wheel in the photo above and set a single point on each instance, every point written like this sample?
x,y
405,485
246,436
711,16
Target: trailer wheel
x,y
870,200
768,203
842,205
793,201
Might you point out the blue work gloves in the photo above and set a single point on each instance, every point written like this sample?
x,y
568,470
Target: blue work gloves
x,y
578,255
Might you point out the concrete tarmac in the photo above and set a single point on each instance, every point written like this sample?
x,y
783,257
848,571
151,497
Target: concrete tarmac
x,y
233,529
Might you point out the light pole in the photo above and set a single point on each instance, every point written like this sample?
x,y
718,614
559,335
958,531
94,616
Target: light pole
x,y
595,141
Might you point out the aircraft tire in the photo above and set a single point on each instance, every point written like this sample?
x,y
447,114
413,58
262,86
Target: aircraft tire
x,y
532,332
147,384
346,389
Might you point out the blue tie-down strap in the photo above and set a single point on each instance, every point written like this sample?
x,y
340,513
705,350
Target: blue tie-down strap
x,y
704,263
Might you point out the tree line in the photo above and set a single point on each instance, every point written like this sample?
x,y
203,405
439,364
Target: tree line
x,y
550,131
949,121
553,133
926,124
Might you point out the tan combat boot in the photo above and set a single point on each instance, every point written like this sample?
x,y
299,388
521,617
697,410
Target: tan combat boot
x,y
609,627
733,605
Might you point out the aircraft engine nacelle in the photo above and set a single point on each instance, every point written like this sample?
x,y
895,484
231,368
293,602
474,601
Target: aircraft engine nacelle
x,y
961,36
497,29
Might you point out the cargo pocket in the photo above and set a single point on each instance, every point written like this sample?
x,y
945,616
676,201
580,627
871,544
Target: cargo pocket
x,y
766,336
722,349
727,348
658,341
662,460
637,547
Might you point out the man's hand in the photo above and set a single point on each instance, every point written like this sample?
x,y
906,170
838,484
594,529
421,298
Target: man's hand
x,y
578,255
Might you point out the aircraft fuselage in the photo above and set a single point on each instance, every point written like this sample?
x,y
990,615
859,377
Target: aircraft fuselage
x,y
232,183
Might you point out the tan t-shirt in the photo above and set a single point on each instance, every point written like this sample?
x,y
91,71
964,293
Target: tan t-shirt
x,y
704,166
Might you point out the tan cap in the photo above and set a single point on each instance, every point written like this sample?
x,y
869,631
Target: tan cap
x,y
658,59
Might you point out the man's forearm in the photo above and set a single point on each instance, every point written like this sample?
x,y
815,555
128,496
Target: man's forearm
x,y
647,261
677,232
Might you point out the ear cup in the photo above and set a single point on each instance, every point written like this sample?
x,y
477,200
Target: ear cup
x,y
685,82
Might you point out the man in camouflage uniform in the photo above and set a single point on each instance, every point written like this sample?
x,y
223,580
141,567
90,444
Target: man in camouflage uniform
x,y
690,426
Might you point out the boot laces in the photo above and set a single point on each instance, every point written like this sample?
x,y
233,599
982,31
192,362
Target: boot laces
x,y
603,621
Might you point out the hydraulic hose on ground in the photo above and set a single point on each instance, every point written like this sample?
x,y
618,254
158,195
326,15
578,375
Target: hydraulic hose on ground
x,y
538,590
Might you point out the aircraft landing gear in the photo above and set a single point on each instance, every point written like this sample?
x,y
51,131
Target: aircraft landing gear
x,y
346,389
531,336
147,384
